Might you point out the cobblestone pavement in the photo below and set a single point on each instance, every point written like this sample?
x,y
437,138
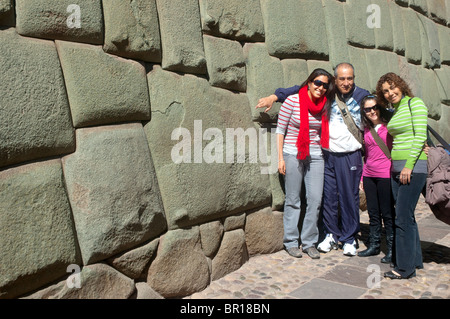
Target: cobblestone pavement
x,y
335,276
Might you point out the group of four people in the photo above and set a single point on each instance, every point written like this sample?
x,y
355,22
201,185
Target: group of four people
x,y
320,142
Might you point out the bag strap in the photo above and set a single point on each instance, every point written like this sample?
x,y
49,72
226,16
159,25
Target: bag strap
x,y
380,143
432,131
349,121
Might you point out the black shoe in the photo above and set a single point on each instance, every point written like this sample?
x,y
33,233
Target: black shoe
x,y
388,258
392,275
372,250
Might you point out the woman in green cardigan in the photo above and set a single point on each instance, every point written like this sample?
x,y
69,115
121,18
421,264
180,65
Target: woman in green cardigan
x,y
408,127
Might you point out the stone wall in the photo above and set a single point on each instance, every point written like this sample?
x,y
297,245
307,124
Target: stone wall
x,y
133,163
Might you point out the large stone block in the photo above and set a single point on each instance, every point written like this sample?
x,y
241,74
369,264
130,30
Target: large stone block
x,y
413,52
195,136
226,63
103,88
37,234
180,267
34,109
420,6
336,34
264,76
113,191
62,19
132,29
358,32
431,48
238,20
296,29
359,61
181,36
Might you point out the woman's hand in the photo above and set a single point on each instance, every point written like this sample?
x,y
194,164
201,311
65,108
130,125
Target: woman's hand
x,y
361,186
282,167
405,176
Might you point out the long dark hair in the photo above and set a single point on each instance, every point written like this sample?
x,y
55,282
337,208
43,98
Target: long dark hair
x,y
330,91
385,115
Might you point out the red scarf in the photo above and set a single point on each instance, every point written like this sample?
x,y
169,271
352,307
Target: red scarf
x,y
308,106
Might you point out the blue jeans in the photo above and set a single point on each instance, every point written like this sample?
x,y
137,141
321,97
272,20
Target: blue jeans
x,y
408,252
311,171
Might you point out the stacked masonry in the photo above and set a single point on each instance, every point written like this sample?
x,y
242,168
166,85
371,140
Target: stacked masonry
x,y
94,94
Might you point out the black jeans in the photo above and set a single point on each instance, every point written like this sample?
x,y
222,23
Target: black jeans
x,y
408,251
379,203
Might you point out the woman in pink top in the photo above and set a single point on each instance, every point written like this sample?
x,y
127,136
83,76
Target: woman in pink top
x,y
376,177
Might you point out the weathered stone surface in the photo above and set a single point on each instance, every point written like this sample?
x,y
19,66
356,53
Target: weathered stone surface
x,y
192,138
443,83
33,107
293,29
144,291
181,36
295,71
132,29
232,254
226,63
384,33
376,66
57,20
211,236
37,234
7,17
444,41
239,20
264,232
180,267
431,56
438,11
132,263
234,222
398,32
413,52
429,93
98,281
116,92
264,76
336,33
115,199
358,33
420,6
359,61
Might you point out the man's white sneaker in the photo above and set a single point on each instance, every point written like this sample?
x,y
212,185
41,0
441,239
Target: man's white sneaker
x,y
350,249
327,244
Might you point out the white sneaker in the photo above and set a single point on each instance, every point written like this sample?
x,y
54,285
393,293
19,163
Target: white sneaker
x,y
350,249
327,244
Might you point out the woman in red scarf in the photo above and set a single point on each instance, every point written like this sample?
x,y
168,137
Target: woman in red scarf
x,y
302,132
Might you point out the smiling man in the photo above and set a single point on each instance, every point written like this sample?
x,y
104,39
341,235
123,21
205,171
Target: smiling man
x,y
343,162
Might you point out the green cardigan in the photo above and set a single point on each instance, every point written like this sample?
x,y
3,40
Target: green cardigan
x,y
408,142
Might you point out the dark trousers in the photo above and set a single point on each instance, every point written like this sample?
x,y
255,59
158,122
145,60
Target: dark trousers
x,y
341,194
379,203
408,252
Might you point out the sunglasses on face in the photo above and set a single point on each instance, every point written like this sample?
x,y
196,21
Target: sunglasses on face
x,y
369,109
319,83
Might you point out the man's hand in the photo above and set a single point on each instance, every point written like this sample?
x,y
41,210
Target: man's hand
x,y
267,102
